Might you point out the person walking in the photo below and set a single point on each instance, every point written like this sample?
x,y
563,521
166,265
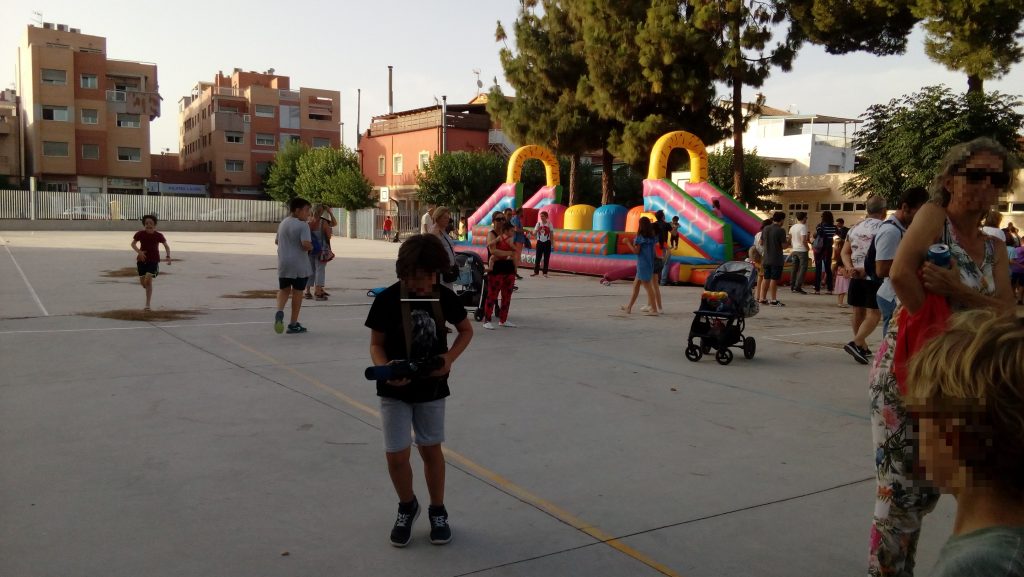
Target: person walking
x,y
863,290
146,244
427,221
643,247
773,238
406,322
502,276
388,225
798,238
972,175
542,234
662,230
442,218
294,242
888,238
824,234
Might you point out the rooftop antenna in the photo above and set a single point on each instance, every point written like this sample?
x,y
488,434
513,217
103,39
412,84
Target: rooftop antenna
x,y
38,17
479,84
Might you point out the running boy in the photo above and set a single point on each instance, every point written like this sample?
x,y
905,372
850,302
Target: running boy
x,y
146,244
407,321
294,242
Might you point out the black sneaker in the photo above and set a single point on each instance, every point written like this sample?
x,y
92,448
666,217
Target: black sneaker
x,y
776,304
800,291
867,352
401,533
279,322
856,352
296,328
440,532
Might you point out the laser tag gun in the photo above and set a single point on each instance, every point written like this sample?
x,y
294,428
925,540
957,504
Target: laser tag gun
x,y
404,369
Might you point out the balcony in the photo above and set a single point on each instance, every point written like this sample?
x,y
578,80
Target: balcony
x,y
229,121
288,94
134,102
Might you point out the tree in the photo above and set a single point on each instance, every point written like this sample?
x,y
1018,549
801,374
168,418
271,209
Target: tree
x,y
460,179
333,176
589,188
743,30
647,69
901,143
757,189
980,39
545,70
283,172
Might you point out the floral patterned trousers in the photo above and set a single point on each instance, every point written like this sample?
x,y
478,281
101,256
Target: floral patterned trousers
x,y
901,502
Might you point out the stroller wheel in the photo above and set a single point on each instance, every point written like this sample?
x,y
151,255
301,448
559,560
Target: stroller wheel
x,y
749,347
693,353
724,357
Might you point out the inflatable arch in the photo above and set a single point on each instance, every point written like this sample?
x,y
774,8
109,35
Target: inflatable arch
x,y
658,167
524,153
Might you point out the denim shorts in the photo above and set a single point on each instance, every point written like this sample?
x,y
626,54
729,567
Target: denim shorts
x,y
400,419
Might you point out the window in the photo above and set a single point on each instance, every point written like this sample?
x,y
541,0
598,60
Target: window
x,y
396,164
861,206
88,81
125,120
424,159
290,116
59,113
58,77
234,165
263,139
91,151
381,165
847,207
264,111
90,116
834,168
233,137
55,148
262,168
321,142
128,154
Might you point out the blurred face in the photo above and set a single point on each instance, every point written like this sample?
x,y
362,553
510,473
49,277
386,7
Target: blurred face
x,y
303,213
149,224
442,221
937,451
499,221
421,283
975,187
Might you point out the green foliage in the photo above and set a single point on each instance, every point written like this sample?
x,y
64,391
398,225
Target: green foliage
x,y
545,69
757,188
629,186
876,26
283,172
333,176
901,143
588,185
460,180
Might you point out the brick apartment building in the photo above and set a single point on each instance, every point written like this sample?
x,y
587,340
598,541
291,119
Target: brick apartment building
x,y
232,128
398,145
10,140
86,117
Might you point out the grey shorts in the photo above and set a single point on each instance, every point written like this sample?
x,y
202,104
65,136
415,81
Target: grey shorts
x,y
401,419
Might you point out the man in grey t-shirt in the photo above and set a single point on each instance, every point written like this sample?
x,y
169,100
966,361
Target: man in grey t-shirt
x,y
773,239
294,241
887,239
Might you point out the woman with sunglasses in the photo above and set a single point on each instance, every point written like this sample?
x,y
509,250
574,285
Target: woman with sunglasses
x,y
502,278
971,177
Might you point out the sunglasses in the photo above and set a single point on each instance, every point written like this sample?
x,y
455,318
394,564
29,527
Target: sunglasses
x,y
999,179
499,220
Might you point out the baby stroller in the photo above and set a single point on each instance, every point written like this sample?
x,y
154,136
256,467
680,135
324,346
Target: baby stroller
x,y
470,285
727,302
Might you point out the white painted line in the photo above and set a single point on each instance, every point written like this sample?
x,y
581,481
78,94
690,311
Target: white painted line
x,y
148,326
31,290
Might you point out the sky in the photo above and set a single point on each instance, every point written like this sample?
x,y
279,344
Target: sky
x,y
434,48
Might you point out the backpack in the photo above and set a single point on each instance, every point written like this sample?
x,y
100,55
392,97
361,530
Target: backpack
x,y
869,259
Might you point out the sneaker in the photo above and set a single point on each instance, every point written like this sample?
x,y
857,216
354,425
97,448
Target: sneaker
x,y
279,322
764,302
856,352
489,326
508,324
546,276
296,328
440,532
800,291
776,303
519,276
867,352
401,533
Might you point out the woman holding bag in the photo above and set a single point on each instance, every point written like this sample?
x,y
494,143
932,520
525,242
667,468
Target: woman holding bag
x,y
977,277
321,223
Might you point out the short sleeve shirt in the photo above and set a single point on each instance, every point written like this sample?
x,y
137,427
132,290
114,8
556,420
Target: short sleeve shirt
x,y
292,258
860,237
150,244
798,236
774,238
982,553
429,338
887,240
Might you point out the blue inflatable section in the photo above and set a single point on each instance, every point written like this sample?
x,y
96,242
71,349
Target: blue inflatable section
x,y
610,217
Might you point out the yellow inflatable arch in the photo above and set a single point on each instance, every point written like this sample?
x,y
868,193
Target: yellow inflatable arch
x,y
524,153
658,167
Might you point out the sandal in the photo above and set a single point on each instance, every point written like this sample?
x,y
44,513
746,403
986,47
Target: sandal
x,y
308,295
320,297
624,309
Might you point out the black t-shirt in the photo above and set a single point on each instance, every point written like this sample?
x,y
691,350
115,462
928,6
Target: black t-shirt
x,y
661,230
428,335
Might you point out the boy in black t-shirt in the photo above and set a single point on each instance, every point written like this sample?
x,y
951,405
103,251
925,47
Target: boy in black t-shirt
x,y
407,322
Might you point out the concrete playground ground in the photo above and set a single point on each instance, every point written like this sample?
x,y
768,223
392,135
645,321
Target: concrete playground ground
x,y
582,443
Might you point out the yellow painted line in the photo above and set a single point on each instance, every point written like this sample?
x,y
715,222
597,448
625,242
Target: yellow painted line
x,y
483,472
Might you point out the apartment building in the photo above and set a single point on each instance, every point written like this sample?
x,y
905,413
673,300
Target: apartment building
x,y
86,116
233,127
10,140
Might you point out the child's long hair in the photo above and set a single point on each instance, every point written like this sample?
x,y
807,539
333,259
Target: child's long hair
x,y
973,374
646,228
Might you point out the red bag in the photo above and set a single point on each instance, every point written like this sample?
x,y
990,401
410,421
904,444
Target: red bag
x,y
915,330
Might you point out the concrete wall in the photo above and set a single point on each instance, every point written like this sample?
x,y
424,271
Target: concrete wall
x,y
131,225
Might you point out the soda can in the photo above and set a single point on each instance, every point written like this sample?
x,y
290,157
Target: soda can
x,y
939,255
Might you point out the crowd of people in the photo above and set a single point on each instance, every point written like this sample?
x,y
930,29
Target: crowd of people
x,y
946,382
